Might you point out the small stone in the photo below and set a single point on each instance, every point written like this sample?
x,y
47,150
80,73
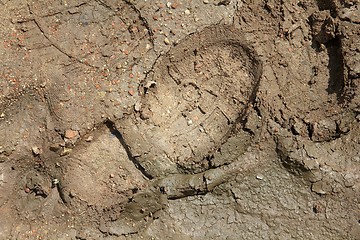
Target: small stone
x,y
73,10
167,41
310,163
168,4
111,175
259,177
27,190
137,106
55,147
187,11
71,134
72,194
89,139
350,179
145,113
189,122
66,151
131,92
206,1
36,150
55,181
174,5
2,115
321,188
148,47
150,84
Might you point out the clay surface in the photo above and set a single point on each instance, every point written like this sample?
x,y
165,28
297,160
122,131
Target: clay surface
x,y
179,119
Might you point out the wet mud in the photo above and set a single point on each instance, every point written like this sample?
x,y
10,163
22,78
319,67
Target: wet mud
x,y
179,119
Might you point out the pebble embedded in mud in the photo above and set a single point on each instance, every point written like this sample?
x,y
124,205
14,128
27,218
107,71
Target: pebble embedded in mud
x,y
321,187
89,139
36,150
137,106
131,92
167,41
71,134
259,177
175,5
310,163
55,147
350,179
70,138
65,151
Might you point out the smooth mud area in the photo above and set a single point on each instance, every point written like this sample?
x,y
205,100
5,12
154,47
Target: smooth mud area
x,y
209,119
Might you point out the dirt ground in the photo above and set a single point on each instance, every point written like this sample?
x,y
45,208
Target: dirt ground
x,y
209,119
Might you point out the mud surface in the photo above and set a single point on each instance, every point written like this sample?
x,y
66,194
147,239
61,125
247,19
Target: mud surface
x,y
179,120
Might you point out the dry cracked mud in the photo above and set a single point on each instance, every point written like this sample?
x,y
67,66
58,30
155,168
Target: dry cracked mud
x,y
179,119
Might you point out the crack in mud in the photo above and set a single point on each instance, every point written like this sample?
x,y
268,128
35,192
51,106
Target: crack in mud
x,y
38,23
142,18
111,126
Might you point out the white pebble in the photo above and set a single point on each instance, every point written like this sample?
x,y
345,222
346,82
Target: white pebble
x,y
260,177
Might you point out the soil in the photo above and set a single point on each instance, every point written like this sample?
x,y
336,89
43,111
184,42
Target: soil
x,y
180,119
